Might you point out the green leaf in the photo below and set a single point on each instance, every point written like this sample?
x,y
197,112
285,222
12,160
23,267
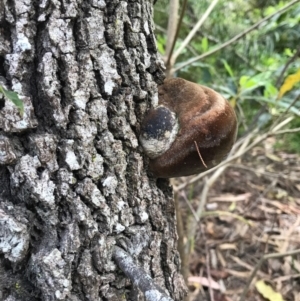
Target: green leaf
x,y
227,67
161,42
227,91
249,84
204,44
270,90
288,52
14,98
243,81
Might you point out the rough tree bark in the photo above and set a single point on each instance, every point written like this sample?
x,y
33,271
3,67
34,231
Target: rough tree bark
x,y
73,179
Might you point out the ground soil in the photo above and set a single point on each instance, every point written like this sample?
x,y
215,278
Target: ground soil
x,y
252,210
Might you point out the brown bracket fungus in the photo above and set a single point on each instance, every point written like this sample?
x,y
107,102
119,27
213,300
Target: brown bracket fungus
x,y
191,130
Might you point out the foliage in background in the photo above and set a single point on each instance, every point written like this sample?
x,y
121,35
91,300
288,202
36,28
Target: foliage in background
x,y
259,74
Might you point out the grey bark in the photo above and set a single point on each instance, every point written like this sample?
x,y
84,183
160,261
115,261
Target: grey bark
x,y
73,178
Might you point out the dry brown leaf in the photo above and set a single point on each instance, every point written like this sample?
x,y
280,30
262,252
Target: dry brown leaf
x,y
269,210
210,228
286,277
228,246
238,274
221,259
235,292
248,266
194,280
288,234
289,209
231,197
288,239
273,157
257,187
218,274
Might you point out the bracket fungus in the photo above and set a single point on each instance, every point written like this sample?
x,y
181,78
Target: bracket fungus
x,y
192,129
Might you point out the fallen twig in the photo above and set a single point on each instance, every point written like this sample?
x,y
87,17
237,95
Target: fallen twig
x,y
139,276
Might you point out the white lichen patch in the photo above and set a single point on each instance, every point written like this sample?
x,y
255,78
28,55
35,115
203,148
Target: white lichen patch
x,y
17,87
96,28
95,167
13,61
71,160
25,169
53,274
46,146
86,132
146,27
144,216
22,6
14,238
98,3
67,150
22,43
37,187
121,205
61,35
119,228
109,86
97,198
81,98
97,110
107,66
110,184
43,190
7,153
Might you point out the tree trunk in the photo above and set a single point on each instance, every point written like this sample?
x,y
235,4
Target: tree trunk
x,y
73,177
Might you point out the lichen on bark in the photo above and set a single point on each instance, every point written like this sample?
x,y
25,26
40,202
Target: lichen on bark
x,y
73,176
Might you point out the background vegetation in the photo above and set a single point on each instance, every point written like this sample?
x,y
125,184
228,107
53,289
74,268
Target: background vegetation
x,y
232,217
249,72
